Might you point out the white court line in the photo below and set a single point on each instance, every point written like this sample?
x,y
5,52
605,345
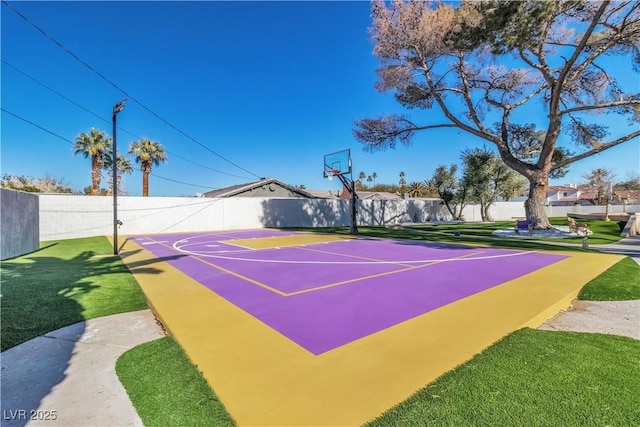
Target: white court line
x,y
206,254
277,261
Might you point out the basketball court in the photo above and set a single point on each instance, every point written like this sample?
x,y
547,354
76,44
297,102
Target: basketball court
x,y
295,328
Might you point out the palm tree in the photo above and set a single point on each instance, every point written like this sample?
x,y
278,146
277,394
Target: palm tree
x,y
374,176
416,189
124,166
402,182
147,153
94,145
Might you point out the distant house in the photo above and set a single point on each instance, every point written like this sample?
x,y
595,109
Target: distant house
x,y
586,195
370,195
266,187
626,197
564,195
324,194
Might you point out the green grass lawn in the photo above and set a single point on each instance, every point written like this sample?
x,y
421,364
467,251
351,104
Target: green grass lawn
x,y
603,231
63,283
619,283
167,389
533,378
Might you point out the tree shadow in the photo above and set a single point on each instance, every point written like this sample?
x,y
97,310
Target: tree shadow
x,y
137,267
304,213
30,253
336,213
41,294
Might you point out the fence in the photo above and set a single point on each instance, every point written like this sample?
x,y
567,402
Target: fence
x,y
70,216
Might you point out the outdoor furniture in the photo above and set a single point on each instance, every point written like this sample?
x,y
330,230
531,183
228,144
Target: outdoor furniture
x,y
577,227
524,225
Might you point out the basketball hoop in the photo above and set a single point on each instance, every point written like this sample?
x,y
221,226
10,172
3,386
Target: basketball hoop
x,y
331,173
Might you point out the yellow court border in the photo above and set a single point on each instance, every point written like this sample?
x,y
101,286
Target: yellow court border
x,y
265,379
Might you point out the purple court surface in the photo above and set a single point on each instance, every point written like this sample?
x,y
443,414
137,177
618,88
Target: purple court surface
x,y
325,295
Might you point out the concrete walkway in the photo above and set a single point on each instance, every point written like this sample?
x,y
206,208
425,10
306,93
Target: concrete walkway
x,y
629,246
69,377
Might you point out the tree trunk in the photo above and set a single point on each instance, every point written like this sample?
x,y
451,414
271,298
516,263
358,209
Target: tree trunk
x,y
96,173
534,206
446,204
484,211
145,184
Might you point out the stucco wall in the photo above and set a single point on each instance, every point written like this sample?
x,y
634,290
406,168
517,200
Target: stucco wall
x,y
68,216
19,219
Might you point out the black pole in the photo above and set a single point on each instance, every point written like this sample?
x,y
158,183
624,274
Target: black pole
x,y
354,210
116,109
351,186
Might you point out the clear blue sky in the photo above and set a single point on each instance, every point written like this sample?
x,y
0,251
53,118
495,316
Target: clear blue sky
x,y
270,86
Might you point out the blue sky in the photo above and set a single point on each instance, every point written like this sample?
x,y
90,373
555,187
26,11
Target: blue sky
x,y
270,86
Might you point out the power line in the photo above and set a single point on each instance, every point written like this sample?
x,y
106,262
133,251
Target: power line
x,y
134,99
180,182
38,126
72,143
108,122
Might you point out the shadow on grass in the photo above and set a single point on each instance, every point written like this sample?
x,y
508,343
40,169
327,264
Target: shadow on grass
x,y
62,284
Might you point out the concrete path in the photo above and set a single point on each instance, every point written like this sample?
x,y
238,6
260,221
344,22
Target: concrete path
x,y
68,375
629,246
603,317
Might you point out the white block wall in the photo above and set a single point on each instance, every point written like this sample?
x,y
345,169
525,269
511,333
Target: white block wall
x,y
69,216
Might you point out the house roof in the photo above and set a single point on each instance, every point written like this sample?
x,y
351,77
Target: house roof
x,y
377,195
631,194
553,188
323,194
235,190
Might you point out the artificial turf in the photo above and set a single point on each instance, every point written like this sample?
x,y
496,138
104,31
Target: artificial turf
x,y
533,378
167,389
621,282
63,283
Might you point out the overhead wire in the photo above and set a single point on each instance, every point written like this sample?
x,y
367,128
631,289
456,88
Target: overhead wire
x,y
108,122
72,143
134,99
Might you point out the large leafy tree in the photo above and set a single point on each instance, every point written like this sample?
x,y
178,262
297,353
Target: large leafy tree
x,y
446,184
482,63
486,177
147,153
97,146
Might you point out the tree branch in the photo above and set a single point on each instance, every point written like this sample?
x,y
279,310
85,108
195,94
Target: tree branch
x,y
555,96
599,106
479,133
595,150
467,94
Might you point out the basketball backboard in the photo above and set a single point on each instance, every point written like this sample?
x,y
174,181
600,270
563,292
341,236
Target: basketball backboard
x,y
338,163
